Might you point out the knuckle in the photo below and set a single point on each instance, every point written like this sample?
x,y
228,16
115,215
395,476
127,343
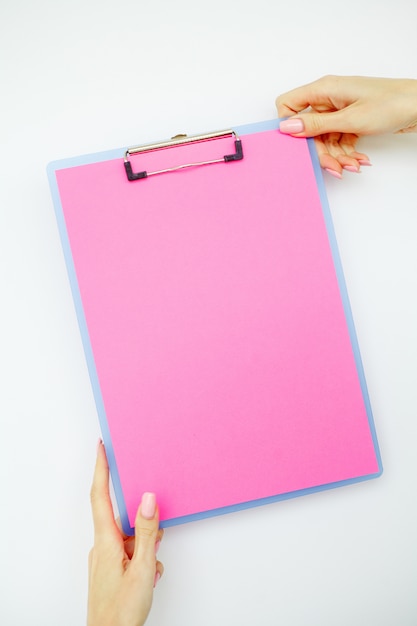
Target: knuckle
x,y
316,123
147,532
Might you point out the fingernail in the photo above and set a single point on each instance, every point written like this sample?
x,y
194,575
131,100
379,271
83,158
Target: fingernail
x,y
148,505
351,168
157,577
292,126
99,443
157,545
333,172
364,162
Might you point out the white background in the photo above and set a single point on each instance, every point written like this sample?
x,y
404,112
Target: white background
x,y
84,76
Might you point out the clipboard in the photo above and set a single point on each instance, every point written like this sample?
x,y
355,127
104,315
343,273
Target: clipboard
x,y
215,322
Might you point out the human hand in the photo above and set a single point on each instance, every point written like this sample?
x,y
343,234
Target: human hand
x,y
336,110
122,570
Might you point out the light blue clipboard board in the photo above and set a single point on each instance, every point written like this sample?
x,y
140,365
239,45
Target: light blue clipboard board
x,y
104,157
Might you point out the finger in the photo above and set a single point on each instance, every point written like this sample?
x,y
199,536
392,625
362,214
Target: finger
x,y
361,157
159,538
158,573
348,144
327,161
103,517
129,544
285,109
342,147
334,160
146,530
314,124
337,149
315,94
121,531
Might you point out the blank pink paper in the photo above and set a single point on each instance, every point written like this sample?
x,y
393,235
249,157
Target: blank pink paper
x,y
220,342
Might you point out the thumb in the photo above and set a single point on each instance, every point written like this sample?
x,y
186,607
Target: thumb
x,y
313,124
146,530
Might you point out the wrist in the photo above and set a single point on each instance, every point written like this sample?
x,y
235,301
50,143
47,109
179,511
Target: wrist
x,y
409,91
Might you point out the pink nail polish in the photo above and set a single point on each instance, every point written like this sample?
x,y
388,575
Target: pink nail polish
x,y
157,577
351,168
333,172
291,126
364,162
148,505
157,546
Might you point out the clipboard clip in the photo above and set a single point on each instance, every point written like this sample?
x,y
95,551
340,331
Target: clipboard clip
x,y
180,140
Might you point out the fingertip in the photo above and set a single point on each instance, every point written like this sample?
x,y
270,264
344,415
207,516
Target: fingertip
x,y
292,126
148,505
101,450
147,532
361,158
334,173
330,165
147,517
100,497
101,466
159,572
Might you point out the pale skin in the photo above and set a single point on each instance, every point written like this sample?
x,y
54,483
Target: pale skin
x,y
123,571
337,110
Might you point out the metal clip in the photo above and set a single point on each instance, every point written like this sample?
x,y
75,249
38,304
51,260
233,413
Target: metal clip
x,y
180,140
